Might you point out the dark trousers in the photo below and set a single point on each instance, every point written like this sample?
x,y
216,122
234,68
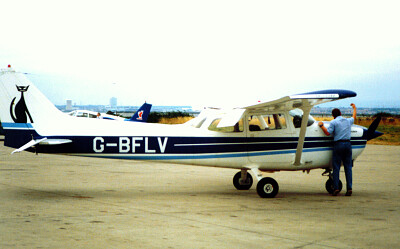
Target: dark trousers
x,y
342,153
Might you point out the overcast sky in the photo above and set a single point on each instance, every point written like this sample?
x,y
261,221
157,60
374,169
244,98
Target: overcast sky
x,y
204,53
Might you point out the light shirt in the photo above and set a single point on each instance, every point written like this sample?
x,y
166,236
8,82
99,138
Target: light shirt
x,y
340,128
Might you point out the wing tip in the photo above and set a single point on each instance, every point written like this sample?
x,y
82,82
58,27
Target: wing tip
x,y
331,93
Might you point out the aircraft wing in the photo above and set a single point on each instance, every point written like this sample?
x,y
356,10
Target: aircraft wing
x,y
304,100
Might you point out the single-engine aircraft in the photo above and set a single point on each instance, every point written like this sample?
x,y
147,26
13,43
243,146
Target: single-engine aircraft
x,y
140,115
278,135
93,114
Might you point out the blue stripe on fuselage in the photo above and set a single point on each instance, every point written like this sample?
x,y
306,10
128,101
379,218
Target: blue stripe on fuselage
x,y
18,134
17,126
185,145
207,156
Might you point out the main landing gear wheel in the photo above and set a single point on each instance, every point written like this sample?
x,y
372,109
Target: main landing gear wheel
x,y
329,186
242,184
267,188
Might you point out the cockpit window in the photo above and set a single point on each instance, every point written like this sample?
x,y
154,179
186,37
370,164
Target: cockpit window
x,y
263,122
238,127
297,117
81,114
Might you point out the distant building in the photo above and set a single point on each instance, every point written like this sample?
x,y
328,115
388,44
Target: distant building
x,y
113,102
68,106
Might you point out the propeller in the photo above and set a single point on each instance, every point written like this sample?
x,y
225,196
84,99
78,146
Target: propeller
x,y
371,132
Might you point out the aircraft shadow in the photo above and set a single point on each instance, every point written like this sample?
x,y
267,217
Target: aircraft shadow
x,y
97,194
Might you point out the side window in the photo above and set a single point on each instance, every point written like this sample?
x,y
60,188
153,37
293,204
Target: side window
x,y
297,117
236,128
264,122
92,116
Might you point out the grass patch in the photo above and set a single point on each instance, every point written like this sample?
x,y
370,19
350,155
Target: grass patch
x,y
169,117
177,120
391,135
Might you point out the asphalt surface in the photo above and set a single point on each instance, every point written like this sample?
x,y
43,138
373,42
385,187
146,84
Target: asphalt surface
x,y
54,201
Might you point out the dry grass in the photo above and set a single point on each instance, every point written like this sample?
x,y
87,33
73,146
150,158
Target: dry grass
x,y
178,120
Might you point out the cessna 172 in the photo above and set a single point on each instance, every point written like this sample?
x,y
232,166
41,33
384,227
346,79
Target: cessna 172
x,y
265,137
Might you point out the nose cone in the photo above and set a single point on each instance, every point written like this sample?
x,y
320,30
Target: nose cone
x,y
375,135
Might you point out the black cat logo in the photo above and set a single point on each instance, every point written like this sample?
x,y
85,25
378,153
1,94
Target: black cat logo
x,y
20,110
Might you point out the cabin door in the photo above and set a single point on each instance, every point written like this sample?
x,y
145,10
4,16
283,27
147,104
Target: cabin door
x,y
270,138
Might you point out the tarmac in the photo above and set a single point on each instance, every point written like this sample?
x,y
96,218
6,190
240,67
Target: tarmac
x,y
54,201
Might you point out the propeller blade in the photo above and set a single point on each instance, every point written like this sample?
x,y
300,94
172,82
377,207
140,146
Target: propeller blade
x,y
371,133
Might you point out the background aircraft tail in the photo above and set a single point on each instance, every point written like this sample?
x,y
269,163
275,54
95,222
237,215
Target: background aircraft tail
x,y
23,108
141,114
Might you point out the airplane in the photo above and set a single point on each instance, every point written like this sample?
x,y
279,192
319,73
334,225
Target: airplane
x,y
141,115
92,114
278,135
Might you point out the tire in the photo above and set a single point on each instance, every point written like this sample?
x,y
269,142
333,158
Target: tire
x,y
239,185
329,186
267,188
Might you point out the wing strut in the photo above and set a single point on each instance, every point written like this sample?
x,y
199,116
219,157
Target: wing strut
x,y
302,135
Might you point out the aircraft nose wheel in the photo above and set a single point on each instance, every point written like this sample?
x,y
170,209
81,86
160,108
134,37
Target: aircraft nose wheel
x,y
329,186
267,188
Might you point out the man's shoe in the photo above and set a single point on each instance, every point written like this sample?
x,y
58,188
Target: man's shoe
x,y
336,192
349,192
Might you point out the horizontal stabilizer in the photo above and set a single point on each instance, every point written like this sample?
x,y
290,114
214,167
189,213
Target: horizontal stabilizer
x,y
42,141
28,145
55,141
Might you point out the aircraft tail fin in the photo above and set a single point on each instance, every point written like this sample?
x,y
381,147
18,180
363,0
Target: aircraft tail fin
x,y
142,114
23,108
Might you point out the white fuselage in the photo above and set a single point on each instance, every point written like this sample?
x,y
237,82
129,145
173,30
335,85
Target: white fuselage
x,y
265,141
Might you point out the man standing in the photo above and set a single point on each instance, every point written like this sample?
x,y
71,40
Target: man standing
x,y
340,128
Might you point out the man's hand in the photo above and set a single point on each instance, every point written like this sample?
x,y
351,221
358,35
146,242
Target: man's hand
x,y
321,124
354,111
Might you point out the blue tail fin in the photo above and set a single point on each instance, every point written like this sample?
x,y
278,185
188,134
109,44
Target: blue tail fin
x,y
141,114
